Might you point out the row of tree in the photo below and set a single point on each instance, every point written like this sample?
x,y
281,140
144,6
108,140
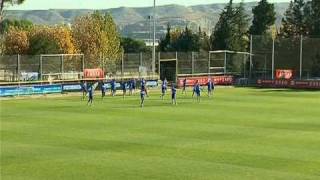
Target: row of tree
x,y
233,29
184,40
301,18
94,35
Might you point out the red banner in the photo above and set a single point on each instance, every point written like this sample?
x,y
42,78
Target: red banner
x,y
284,74
93,73
203,80
299,84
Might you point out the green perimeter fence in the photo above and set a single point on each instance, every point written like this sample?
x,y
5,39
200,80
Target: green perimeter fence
x,y
265,56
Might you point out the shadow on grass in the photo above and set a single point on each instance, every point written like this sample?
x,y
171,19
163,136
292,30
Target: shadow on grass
x,y
265,89
138,106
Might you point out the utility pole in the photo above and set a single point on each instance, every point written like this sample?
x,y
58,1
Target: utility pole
x,y
154,38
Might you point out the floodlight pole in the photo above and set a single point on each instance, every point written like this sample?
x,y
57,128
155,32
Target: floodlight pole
x,y
40,67
81,76
225,62
192,62
18,68
301,49
122,64
62,67
250,68
272,75
154,38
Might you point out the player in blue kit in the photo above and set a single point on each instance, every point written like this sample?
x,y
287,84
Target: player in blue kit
x,y
197,90
164,88
90,96
130,87
173,94
194,89
184,86
113,87
210,87
84,89
134,85
103,89
143,82
124,89
143,94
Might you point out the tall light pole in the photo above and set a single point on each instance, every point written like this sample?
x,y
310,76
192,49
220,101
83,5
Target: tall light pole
x,y
154,38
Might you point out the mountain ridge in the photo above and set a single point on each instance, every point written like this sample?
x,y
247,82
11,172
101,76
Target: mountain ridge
x,y
133,21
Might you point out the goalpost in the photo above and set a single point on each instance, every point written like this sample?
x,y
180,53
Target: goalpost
x,y
61,66
171,73
218,63
226,62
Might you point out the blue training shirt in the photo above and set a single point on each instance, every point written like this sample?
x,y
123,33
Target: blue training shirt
x,y
91,92
197,88
173,90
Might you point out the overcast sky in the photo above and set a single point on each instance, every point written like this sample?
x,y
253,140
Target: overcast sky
x,y
105,4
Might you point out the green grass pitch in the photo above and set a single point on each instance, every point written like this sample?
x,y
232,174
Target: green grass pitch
x,y
239,134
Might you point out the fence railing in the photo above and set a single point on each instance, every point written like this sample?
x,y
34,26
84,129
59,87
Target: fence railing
x,y
266,55
299,54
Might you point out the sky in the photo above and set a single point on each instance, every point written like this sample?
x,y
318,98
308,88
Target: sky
x,y
106,4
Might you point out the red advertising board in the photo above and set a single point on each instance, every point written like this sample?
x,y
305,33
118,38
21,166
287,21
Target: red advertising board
x,y
284,74
93,73
299,84
203,80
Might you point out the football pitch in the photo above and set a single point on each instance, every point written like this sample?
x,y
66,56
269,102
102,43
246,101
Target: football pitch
x,y
240,133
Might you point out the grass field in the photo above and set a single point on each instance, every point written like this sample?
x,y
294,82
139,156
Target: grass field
x,y
238,134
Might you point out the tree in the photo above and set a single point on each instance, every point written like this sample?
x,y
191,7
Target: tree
x,y
63,36
3,3
221,37
111,49
18,24
293,24
97,37
51,40
165,44
204,40
16,41
264,16
187,41
2,47
231,31
240,40
41,43
315,70
130,45
180,40
312,13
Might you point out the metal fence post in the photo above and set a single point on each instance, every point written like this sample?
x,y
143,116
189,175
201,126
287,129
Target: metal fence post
x,y
177,66
225,62
272,75
18,68
301,49
192,63
122,64
251,48
40,67
140,56
82,62
159,61
62,67
209,63
244,66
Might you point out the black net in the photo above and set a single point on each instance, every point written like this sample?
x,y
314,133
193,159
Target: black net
x,y
9,68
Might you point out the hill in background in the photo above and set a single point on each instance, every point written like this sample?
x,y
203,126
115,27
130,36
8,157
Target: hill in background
x,y
134,22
